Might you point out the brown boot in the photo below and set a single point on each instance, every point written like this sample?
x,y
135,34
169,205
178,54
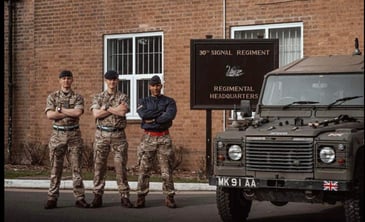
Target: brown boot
x,y
170,202
125,202
140,203
50,204
97,202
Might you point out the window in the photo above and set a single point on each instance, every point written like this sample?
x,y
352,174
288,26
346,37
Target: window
x,y
136,57
290,37
323,89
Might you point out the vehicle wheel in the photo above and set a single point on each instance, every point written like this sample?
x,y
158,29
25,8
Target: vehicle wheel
x,y
232,205
354,205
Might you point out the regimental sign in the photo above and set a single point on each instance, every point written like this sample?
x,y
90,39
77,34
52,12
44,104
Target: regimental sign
x,y
226,71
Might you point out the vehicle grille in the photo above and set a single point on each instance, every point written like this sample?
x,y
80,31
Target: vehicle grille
x,y
284,156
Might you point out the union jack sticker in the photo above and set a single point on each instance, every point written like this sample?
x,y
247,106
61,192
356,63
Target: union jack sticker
x,y
330,185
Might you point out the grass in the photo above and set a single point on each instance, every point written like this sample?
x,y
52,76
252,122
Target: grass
x,y
23,172
20,174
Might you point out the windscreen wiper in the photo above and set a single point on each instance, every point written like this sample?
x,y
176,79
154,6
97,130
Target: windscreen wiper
x,y
342,100
299,102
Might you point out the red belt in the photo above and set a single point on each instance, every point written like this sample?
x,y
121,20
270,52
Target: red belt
x,y
152,133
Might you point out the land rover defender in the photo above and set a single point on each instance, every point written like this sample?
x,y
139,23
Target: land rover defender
x,y
304,143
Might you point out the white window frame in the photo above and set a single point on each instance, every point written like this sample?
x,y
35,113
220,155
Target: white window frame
x,y
133,78
267,27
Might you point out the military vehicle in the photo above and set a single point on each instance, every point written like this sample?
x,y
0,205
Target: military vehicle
x,y
303,143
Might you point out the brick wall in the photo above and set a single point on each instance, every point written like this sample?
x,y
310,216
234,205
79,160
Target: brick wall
x,y
330,27
62,34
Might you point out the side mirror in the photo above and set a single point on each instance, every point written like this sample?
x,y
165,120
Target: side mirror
x,y
246,108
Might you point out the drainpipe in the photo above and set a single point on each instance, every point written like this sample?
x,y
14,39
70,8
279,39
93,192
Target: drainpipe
x,y
224,36
10,81
224,19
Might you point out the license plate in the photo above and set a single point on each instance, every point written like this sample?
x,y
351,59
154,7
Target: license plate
x,y
247,182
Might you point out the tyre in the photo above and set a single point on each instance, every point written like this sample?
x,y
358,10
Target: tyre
x,y
232,205
354,205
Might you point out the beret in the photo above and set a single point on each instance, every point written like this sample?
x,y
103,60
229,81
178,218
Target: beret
x,y
111,74
65,73
155,80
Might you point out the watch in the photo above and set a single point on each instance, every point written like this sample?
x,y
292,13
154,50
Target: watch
x,y
59,109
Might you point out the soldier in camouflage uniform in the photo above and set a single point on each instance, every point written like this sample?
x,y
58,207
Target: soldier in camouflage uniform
x,y
64,107
157,112
109,109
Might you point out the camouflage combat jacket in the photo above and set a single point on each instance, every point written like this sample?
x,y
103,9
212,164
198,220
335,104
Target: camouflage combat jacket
x,y
112,100
71,100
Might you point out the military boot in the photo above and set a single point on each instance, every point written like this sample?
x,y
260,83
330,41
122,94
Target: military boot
x,y
170,202
140,203
97,202
82,203
125,202
50,204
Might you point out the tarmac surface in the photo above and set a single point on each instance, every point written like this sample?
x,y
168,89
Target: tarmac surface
x,y
110,185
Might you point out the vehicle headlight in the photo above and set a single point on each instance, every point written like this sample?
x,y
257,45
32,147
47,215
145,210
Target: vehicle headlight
x,y
327,154
235,152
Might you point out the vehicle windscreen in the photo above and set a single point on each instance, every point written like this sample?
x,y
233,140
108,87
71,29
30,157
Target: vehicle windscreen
x,y
329,89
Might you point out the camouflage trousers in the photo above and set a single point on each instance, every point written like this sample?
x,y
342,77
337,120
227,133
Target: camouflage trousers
x,y
67,144
152,147
117,143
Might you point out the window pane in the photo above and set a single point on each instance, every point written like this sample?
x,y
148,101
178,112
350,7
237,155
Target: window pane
x,y
142,89
289,43
148,55
120,54
250,34
124,86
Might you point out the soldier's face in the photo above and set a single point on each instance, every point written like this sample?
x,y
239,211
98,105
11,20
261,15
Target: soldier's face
x,y
111,83
155,89
66,82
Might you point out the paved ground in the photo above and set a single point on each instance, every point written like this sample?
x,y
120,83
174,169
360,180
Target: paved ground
x,y
196,206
